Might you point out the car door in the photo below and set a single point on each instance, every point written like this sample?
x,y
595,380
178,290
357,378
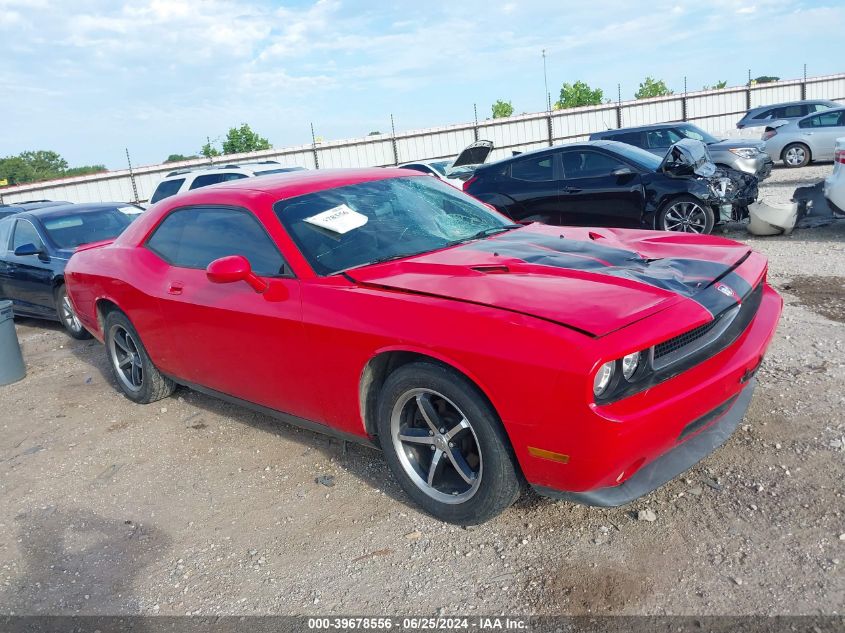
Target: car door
x,y
226,336
29,278
821,131
533,183
6,225
599,189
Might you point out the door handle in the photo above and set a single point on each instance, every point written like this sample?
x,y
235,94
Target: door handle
x,y
175,288
571,190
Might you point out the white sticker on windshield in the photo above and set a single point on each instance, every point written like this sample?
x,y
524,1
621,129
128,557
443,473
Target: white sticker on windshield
x,y
341,219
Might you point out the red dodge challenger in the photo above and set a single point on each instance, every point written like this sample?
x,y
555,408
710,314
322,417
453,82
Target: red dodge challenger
x,y
384,306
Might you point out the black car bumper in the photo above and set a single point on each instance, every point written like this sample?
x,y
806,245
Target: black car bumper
x,y
678,460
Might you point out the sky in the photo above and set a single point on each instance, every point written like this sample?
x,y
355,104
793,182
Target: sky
x,y
88,78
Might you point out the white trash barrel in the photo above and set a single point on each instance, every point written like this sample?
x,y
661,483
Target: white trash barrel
x,y
12,368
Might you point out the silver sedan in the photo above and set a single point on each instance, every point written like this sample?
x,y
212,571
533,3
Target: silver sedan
x,y
813,137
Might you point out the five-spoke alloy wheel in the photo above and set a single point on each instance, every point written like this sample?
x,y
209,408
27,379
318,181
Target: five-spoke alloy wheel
x,y
136,375
67,315
445,444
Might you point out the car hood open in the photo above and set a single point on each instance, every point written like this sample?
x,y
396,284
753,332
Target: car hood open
x,y
595,281
473,154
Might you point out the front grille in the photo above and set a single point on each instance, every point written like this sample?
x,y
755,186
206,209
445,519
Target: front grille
x,y
682,340
708,339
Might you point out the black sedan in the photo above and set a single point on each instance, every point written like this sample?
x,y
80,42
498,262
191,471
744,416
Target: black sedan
x,y
607,183
35,246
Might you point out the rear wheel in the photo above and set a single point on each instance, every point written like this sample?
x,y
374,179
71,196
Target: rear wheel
x,y
67,315
685,214
136,375
796,155
445,444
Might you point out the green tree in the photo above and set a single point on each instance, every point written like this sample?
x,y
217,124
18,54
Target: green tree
x,y
374,133
16,170
764,79
651,87
209,151
502,109
45,164
84,170
243,139
717,86
578,94
175,158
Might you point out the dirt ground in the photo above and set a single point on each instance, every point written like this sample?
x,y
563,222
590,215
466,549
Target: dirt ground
x,y
192,505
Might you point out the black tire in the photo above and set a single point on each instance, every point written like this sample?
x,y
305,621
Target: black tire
x,y
672,215
481,447
68,317
138,379
796,155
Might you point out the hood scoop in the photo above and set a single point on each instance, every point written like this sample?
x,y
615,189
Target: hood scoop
x,y
494,269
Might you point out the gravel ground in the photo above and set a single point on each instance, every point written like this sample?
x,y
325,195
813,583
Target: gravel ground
x,y
196,506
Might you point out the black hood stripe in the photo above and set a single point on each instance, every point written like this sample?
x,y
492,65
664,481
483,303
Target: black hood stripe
x,y
705,282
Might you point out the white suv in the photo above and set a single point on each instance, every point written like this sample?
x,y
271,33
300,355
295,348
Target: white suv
x,y
194,178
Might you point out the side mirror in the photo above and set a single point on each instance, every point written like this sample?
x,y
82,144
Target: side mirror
x,y
622,171
28,249
235,268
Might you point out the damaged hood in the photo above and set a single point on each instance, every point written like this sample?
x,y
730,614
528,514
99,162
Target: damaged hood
x,y
595,281
686,157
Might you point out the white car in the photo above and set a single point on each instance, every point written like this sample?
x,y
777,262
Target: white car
x,y
834,185
196,177
456,171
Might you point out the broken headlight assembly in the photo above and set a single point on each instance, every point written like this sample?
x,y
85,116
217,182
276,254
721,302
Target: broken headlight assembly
x,y
617,376
745,152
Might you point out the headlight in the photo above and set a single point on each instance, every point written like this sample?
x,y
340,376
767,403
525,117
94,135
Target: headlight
x,y
745,152
603,376
630,364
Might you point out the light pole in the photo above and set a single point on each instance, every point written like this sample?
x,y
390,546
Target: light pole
x,y
546,97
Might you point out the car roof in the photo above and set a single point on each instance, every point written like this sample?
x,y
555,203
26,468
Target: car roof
x,y
71,209
606,144
789,103
641,128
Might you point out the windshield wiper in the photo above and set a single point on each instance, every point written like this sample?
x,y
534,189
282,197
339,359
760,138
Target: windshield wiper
x,y
493,230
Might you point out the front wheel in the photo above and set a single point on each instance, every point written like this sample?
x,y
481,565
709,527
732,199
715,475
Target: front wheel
x,y
796,155
136,375
685,214
67,315
445,444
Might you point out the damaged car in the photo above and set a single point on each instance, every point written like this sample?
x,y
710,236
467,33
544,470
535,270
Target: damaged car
x,y
608,183
389,308
811,206
455,171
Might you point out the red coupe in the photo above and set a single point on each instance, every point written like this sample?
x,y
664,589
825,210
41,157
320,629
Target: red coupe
x,y
384,306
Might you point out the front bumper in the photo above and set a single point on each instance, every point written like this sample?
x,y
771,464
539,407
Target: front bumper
x,y
761,166
718,426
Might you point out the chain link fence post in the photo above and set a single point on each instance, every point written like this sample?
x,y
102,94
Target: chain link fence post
x,y
618,106
314,148
475,128
393,141
804,85
132,177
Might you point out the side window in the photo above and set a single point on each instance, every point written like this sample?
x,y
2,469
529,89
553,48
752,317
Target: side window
x,y
166,189
5,233
662,138
195,237
213,179
25,233
828,119
631,138
790,112
819,107
589,164
535,168
765,115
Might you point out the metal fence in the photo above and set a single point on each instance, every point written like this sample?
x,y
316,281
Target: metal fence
x,y
714,110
